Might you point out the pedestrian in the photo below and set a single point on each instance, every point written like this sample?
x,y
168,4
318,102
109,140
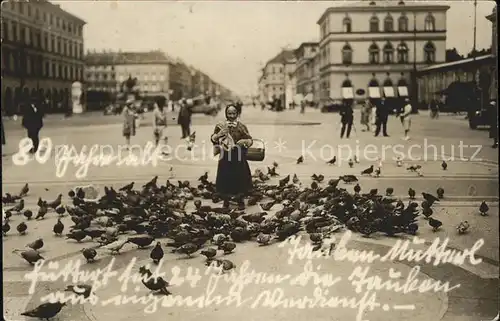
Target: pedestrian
x,y
231,140
382,115
366,111
33,122
302,106
129,118
159,122
347,118
406,118
3,132
434,107
184,118
493,123
171,105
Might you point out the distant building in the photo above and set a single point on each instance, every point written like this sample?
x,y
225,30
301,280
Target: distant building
x,y
42,55
374,44
100,72
305,68
277,77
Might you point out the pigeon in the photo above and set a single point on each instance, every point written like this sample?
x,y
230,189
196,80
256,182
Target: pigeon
x,y
389,191
377,172
411,193
127,188
431,199
444,165
224,265
141,241
116,246
463,227
349,179
45,311
24,191
267,206
31,256
332,161
89,254
21,228
209,253
153,283
18,208
356,159
263,239
350,163
156,253
41,212
187,249
435,224
36,245
300,160
357,188
483,209
399,162
77,235
56,202
5,228
28,214
427,212
295,179
275,164
440,192
368,171
227,247
80,290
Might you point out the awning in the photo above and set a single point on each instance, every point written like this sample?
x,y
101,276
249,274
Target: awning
x,y
374,92
403,91
389,92
347,93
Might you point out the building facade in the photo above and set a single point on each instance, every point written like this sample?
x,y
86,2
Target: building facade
x,y
494,49
305,68
277,77
42,55
100,72
377,44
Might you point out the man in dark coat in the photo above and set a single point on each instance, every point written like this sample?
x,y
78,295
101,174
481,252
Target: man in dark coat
x,y
33,122
347,118
184,118
382,114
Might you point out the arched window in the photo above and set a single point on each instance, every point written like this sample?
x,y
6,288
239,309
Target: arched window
x,y
402,82
347,24
374,54
347,54
429,52
347,83
373,83
374,24
430,23
388,53
403,23
388,82
388,24
402,53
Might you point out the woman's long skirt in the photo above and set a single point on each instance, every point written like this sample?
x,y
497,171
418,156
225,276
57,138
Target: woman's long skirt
x,y
233,173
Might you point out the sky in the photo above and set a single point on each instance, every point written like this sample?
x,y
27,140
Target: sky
x,y
232,40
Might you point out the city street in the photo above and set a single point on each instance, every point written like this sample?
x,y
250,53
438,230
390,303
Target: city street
x,y
470,178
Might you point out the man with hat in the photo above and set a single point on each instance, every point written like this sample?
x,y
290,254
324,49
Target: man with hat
x,y
33,122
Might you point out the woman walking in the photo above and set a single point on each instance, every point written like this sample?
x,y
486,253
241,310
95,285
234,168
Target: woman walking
x,y
366,111
406,118
129,117
159,122
231,141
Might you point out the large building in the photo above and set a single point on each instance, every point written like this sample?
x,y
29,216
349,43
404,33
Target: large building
x,y
277,77
305,68
494,49
378,44
100,72
42,55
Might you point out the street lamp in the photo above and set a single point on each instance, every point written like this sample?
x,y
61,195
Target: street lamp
x,y
414,82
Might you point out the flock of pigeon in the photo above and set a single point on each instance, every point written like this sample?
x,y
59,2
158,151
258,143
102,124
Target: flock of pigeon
x,y
157,211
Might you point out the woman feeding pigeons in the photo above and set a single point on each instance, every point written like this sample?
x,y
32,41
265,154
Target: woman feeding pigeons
x,y
231,141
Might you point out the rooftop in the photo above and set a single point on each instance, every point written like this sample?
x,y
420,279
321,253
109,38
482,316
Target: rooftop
x,y
384,5
124,58
283,56
58,8
456,63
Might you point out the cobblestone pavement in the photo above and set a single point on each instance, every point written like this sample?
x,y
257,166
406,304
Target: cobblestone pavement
x,y
466,183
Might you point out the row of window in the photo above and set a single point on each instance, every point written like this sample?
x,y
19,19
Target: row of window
x,y
17,63
388,53
12,31
32,10
429,24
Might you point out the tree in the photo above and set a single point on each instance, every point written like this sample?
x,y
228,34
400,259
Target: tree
x,y
453,55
